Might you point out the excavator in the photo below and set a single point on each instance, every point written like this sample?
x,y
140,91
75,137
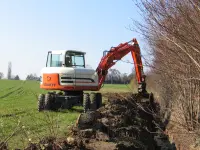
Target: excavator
x,y
66,73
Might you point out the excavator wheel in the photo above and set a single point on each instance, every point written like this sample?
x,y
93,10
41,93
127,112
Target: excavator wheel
x,y
41,98
86,102
48,102
93,101
88,118
99,100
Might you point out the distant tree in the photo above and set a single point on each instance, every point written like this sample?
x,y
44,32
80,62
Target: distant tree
x,y
113,77
116,76
32,77
1,75
16,77
124,78
9,70
131,76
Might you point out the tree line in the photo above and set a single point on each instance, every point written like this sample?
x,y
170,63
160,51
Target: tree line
x,y
114,76
10,76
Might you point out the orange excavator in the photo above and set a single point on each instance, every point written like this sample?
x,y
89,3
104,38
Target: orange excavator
x,y
67,73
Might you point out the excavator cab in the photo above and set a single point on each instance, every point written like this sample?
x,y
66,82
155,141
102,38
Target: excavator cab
x,y
69,58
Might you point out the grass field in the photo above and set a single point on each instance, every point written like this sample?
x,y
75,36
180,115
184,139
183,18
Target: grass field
x,y
20,122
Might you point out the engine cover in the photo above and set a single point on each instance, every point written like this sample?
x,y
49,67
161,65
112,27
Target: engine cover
x,y
68,78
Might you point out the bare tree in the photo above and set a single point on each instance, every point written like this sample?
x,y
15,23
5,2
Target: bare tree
x,y
1,75
9,75
32,77
124,78
114,77
172,30
16,77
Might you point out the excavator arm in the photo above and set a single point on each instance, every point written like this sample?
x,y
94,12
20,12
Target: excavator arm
x,y
117,53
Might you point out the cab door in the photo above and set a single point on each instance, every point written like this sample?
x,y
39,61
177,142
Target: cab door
x,y
76,60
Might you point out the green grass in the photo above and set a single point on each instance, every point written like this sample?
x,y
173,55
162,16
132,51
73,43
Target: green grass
x,y
116,88
19,119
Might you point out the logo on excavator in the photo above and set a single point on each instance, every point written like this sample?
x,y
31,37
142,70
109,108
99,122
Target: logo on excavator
x,y
48,78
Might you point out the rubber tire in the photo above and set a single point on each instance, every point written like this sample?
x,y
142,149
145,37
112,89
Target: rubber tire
x,y
41,99
86,102
93,101
47,102
99,100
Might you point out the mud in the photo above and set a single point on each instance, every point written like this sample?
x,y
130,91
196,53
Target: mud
x,y
124,123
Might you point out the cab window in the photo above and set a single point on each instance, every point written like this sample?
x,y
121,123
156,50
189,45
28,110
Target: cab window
x,y
54,60
75,59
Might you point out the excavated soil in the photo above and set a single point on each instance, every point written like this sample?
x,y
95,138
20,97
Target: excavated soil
x,y
124,123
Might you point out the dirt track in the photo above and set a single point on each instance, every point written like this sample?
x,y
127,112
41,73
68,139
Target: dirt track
x,y
123,123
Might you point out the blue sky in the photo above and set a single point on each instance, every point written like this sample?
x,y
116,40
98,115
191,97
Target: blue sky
x,y
30,28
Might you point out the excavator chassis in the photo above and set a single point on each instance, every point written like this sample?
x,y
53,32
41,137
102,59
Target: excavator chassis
x,y
67,99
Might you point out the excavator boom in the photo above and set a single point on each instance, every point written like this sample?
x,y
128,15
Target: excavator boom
x,y
117,53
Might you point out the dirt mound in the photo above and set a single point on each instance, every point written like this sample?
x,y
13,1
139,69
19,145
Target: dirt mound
x,y
127,121
123,121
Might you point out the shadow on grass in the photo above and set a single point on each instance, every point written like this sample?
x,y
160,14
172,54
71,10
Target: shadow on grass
x,y
12,115
77,108
73,109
